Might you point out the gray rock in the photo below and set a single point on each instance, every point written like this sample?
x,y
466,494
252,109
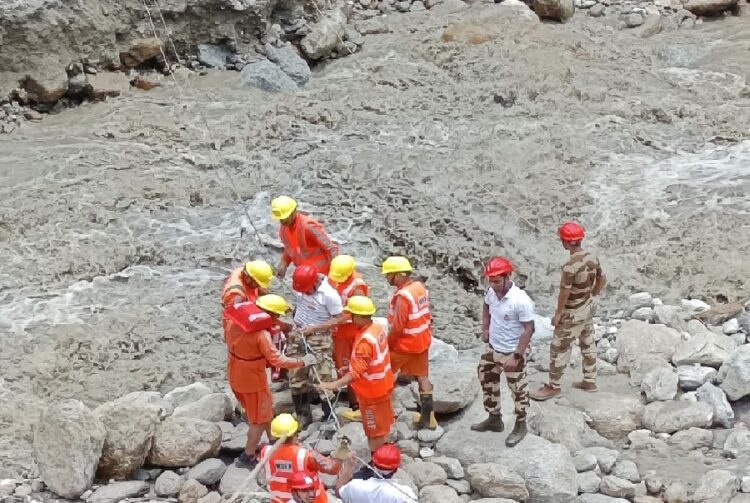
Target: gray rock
x,y
493,480
130,429
168,484
267,76
668,417
187,394
636,338
704,347
639,300
324,35
440,352
352,35
460,486
234,479
735,373
694,306
653,485
417,6
558,10
191,491
212,497
645,364
452,466
597,10
584,461
651,25
716,486
290,63
426,473
215,56
613,415
409,447
563,425
642,440
588,482
692,377
660,384
676,493
709,7
715,397
430,436
644,314
404,431
599,498
738,443
633,20
455,386
605,458
403,6
439,494
731,326
214,407
235,440
692,439
671,316
118,491
67,445
617,487
745,484
149,397
627,470
208,471
184,441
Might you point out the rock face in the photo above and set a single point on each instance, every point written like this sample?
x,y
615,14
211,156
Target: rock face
x,y
267,76
67,444
559,10
456,386
214,407
735,373
669,417
113,493
492,480
130,429
716,486
324,35
562,425
660,384
184,441
636,338
704,347
715,397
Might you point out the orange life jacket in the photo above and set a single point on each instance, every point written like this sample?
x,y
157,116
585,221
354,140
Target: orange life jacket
x,y
346,289
235,285
246,364
287,459
296,246
377,380
417,334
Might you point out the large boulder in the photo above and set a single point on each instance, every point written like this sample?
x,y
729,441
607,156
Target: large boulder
x,y
692,377
671,316
669,417
235,479
563,425
692,439
214,407
289,62
187,394
267,76
559,10
734,374
715,397
153,398
645,364
207,472
738,443
168,484
490,25
140,51
426,474
213,55
613,415
130,429
716,486
493,480
325,35
68,442
637,338
184,441
118,491
455,386
439,494
704,347
660,384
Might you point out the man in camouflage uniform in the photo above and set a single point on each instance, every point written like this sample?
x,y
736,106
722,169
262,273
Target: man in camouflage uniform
x,y
582,280
507,327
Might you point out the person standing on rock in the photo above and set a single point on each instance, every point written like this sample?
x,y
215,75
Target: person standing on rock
x,y
410,333
291,458
507,327
304,238
383,489
582,280
250,350
369,372
317,312
348,283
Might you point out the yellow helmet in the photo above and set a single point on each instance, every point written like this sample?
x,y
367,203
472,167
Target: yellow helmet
x,y
284,425
359,304
282,207
273,303
396,264
260,271
342,266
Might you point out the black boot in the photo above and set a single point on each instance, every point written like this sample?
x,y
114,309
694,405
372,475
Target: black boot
x,y
518,433
494,422
426,418
302,410
327,412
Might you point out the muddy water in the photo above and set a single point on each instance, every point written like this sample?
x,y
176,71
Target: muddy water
x,y
116,228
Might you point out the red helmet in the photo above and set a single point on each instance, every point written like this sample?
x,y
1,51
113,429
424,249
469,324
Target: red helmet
x,y
387,457
570,231
498,266
304,278
300,481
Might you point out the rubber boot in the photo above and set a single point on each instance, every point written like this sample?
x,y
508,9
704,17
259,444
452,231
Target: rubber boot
x,y
425,419
494,422
302,410
353,414
519,431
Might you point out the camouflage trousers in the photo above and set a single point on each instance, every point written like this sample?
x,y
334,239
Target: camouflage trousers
x,y
302,380
491,366
575,324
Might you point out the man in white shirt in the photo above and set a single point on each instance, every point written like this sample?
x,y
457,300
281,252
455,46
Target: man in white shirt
x,y
377,487
507,326
317,311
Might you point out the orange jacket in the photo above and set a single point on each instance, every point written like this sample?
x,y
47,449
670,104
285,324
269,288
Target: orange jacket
x,y
355,285
370,363
291,458
306,243
409,319
235,291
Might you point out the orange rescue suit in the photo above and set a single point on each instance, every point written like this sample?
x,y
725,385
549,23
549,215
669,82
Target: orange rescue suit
x,y
409,319
306,243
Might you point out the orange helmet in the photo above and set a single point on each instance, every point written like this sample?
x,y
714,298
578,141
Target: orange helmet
x,y
300,481
570,231
387,457
498,266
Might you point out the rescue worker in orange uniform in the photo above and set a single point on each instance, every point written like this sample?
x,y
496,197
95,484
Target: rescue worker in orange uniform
x,y
304,486
410,333
249,351
290,458
348,283
369,372
304,238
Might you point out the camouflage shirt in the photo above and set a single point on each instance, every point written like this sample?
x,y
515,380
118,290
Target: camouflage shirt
x,y
579,274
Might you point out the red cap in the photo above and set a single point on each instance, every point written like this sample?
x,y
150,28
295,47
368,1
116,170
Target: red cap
x,y
300,481
387,457
570,231
304,278
498,266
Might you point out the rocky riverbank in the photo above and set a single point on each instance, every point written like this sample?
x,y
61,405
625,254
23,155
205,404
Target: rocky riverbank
x,y
670,424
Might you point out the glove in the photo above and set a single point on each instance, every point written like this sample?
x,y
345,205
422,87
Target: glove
x,y
309,359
